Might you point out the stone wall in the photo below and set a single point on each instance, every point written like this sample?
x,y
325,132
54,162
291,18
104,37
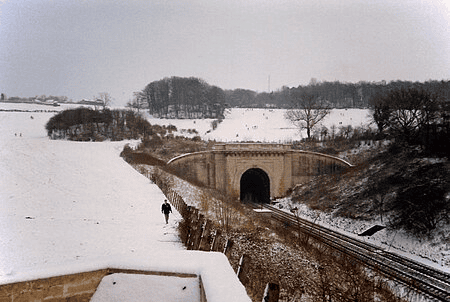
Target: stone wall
x,y
76,287
72,287
273,164
223,166
308,164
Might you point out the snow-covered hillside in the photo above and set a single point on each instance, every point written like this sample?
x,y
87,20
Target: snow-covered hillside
x,y
262,125
63,201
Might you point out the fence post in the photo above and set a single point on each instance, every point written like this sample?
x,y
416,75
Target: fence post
x,y
177,201
202,246
193,222
185,211
271,293
227,248
189,238
188,221
180,203
198,232
196,215
216,239
242,269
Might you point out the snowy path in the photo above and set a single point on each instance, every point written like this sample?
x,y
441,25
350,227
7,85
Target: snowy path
x,y
65,201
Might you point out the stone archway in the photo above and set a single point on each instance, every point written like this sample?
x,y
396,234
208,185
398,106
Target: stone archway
x,y
225,168
255,186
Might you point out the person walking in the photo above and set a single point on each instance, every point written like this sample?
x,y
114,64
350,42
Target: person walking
x,y
166,209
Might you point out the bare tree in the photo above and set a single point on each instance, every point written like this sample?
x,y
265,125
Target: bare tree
x,y
138,101
412,110
105,99
381,112
405,112
307,112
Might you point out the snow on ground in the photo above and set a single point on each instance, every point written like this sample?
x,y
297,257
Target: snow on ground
x,y
31,107
269,125
200,125
128,287
63,201
254,124
432,253
218,278
69,201
68,207
263,125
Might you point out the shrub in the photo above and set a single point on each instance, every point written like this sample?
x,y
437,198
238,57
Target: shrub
x,y
215,124
419,209
85,124
152,142
171,128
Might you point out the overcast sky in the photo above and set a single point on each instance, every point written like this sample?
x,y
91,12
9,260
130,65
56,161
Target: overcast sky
x,y
79,48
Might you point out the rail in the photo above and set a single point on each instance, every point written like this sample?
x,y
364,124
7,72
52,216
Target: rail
x,y
430,282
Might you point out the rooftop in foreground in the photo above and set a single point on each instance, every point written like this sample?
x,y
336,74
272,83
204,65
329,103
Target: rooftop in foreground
x,y
202,276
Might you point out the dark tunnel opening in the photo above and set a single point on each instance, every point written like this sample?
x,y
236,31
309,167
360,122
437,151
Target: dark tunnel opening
x,y
255,186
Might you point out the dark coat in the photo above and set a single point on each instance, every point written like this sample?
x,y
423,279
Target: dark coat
x,y
166,209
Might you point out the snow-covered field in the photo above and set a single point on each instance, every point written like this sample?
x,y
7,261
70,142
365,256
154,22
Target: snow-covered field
x,y
262,125
68,207
64,202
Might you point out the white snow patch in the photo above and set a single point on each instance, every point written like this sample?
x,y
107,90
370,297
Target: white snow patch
x,y
270,125
133,287
63,201
217,278
262,125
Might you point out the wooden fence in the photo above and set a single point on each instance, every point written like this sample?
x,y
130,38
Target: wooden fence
x,y
196,232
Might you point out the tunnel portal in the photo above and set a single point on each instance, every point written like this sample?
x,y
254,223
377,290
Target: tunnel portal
x,y
255,186
254,170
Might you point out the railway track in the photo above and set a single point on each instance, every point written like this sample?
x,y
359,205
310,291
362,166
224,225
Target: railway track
x,y
431,283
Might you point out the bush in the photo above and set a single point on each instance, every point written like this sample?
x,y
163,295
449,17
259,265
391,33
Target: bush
x,y
420,209
85,124
421,201
171,128
215,124
138,157
126,150
152,142
414,117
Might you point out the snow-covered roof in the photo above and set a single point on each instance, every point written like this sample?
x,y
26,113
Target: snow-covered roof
x,y
218,279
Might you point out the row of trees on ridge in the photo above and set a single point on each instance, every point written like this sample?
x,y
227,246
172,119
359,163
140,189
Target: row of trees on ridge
x,y
336,94
177,97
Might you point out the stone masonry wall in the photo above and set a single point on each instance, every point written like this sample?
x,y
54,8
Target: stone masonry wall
x,y
76,287
223,167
